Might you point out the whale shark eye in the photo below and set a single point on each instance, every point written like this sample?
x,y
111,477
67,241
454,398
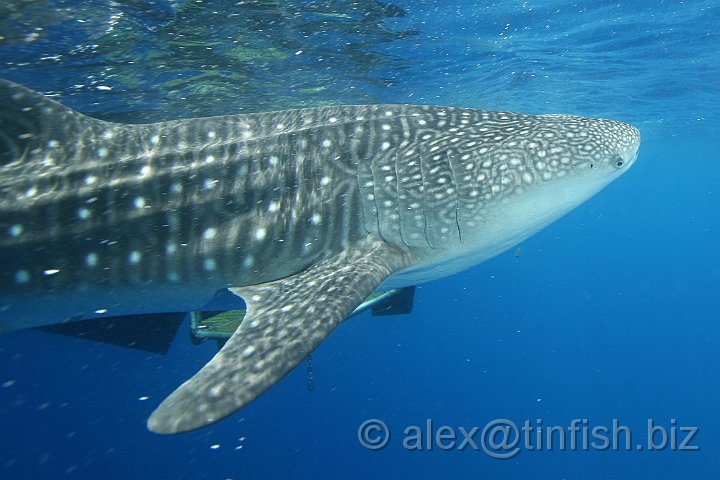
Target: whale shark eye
x,y
619,163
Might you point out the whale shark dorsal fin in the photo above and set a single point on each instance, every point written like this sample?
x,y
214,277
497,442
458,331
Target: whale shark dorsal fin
x,y
30,121
286,320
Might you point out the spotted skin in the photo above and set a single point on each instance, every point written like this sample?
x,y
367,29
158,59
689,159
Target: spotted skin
x,y
99,218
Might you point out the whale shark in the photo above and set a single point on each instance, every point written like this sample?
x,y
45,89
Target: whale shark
x,y
301,213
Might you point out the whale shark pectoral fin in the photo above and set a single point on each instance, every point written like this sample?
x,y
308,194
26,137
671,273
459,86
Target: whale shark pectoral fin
x,y
286,320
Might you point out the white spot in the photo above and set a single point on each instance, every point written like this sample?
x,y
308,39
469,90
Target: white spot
x,y
107,135
273,207
211,134
273,160
139,202
279,126
134,257
176,188
316,218
324,181
332,119
209,264
170,248
101,310
16,230
31,192
249,350
215,447
386,127
260,233
91,259
248,261
181,145
209,159
84,213
102,152
51,271
326,143
22,276
53,144
154,140
209,233
209,183
385,146
142,399
90,179
145,170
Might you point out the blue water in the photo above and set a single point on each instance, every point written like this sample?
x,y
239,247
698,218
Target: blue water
x,y
610,313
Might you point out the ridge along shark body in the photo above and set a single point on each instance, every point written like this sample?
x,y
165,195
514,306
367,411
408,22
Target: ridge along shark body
x,y
302,213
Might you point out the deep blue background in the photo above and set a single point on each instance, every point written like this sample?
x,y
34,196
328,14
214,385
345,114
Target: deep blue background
x,y
610,313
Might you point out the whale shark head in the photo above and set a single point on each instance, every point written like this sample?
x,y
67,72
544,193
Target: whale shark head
x,y
509,176
557,163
